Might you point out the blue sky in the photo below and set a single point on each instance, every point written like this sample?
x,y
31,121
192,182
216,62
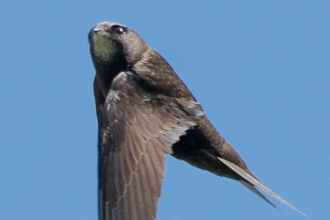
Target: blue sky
x,y
261,71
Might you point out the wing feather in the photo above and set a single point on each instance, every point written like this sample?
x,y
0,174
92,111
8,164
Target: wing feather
x,y
136,130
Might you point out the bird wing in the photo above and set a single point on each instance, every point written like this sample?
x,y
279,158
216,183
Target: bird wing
x,y
136,130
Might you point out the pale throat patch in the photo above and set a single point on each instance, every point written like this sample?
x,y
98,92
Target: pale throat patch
x,y
104,48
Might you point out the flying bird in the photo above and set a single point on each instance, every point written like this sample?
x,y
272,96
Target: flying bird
x,y
145,112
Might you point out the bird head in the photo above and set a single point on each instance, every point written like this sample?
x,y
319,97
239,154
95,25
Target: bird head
x,y
114,43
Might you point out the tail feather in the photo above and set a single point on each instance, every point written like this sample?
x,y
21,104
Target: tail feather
x,y
251,182
253,189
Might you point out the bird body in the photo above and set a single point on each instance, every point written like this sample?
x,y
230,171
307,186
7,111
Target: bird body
x,y
144,112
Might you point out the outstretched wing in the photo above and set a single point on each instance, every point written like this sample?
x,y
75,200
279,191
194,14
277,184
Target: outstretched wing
x,y
136,130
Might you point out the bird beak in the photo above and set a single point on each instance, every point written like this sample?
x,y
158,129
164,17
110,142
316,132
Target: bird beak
x,y
96,30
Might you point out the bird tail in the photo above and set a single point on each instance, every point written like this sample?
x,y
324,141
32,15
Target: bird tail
x,y
251,182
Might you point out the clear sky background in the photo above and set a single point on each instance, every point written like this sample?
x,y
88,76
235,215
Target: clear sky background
x,y
261,70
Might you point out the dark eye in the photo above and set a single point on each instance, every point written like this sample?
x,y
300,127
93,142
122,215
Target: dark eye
x,y
120,30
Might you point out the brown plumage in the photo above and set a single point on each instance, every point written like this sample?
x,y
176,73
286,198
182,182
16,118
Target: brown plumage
x,y
144,112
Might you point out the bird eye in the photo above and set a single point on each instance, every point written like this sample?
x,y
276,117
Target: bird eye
x,y
120,30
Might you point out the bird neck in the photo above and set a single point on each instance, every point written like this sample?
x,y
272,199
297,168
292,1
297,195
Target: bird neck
x,y
106,72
